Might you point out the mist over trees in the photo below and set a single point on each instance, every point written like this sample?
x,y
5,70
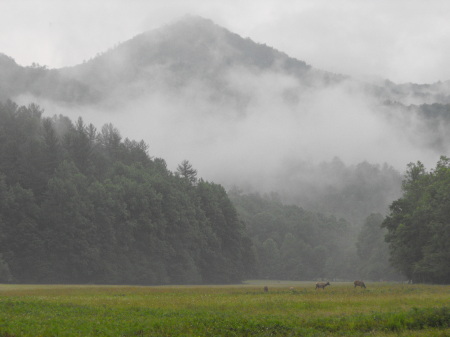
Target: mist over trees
x,y
85,206
82,206
316,159
296,244
292,243
351,192
250,101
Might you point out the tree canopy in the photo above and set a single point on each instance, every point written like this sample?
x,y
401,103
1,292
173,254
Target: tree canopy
x,y
419,224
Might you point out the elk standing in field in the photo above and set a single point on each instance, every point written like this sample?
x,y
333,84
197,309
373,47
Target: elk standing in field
x,y
359,284
266,289
322,285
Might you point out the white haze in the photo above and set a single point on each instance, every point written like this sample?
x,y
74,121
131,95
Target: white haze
x,y
253,146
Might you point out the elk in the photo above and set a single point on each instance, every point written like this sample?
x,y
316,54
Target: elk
x,y
359,284
266,289
322,285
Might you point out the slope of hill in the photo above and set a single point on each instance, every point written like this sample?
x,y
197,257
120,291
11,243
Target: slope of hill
x,y
191,51
40,82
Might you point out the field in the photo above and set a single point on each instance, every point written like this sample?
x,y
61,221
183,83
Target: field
x,y
383,309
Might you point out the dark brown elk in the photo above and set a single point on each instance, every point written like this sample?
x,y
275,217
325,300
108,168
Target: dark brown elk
x,y
266,289
322,285
359,284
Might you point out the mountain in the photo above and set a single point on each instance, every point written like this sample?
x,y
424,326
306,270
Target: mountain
x,y
175,55
248,115
193,49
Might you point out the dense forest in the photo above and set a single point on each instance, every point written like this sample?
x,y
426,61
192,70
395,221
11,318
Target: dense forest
x,y
78,205
82,206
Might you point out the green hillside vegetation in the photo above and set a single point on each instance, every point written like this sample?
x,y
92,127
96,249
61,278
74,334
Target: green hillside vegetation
x,y
79,205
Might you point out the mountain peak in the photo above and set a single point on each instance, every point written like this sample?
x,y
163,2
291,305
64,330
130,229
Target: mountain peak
x,y
197,20
196,43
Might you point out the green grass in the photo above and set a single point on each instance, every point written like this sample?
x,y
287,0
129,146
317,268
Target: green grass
x,y
239,310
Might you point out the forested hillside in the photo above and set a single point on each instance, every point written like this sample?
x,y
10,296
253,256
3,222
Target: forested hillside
x,y
79,205
296,244
352,192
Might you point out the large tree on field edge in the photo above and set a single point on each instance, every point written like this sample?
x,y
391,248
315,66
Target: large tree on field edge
x,y
419,224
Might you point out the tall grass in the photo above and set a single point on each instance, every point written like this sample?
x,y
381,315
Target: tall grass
x,y
241,310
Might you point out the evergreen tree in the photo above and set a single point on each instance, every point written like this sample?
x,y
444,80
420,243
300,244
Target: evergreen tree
x,y
186,171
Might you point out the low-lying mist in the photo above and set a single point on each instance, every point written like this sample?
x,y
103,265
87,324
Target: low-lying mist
x,y
279,122
262,131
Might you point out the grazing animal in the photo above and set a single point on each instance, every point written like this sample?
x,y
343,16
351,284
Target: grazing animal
x,y
359,284
293,290
322,285
266,289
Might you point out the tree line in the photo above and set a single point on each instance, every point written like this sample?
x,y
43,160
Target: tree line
x,y
79,205
411,242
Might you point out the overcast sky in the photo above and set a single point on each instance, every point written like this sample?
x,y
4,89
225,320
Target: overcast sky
x,y
402,40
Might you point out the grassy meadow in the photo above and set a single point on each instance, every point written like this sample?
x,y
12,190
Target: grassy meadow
x,y
383,309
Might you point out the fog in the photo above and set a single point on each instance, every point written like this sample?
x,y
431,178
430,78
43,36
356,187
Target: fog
x,y
281,126
264,129
404,40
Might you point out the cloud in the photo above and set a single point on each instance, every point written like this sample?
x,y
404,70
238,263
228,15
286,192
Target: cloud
x,y
281,123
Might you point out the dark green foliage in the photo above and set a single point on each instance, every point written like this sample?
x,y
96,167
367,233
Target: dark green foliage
x,y
419,224
292,243
78,206
228,253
